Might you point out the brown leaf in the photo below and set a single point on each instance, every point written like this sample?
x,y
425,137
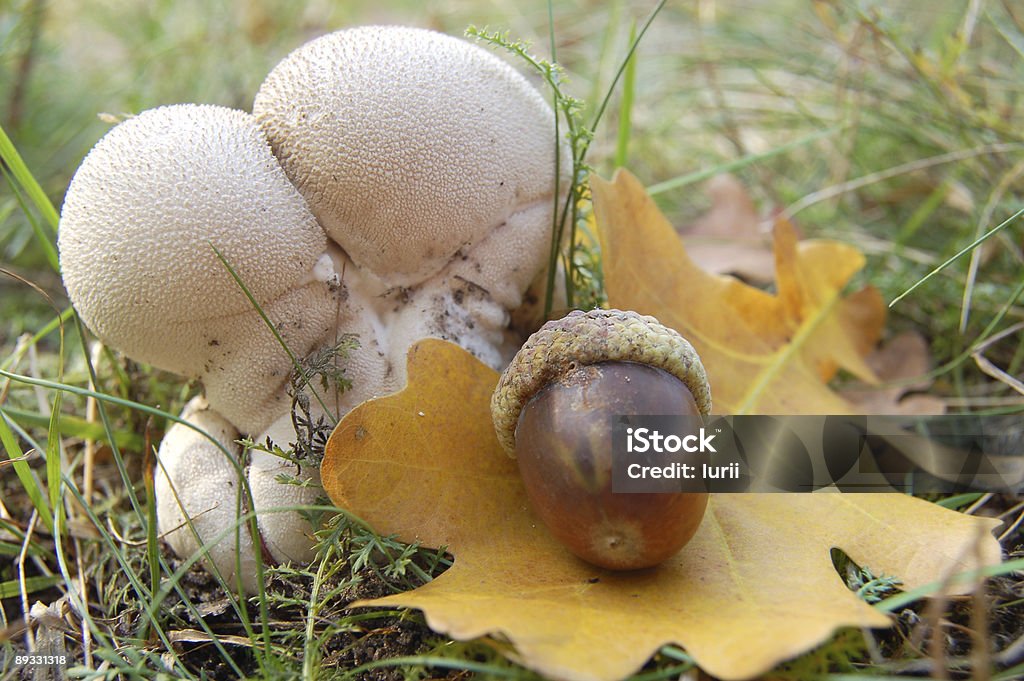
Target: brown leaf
x,y
765,353
196,636
728,239
899,361
755,586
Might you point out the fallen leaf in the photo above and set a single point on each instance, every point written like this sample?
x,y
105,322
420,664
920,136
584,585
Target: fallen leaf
x,y
196,636
902,362
754,587
764,353
729,239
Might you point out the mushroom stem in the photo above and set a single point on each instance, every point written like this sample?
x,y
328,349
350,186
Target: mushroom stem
x,y
198,487
279,484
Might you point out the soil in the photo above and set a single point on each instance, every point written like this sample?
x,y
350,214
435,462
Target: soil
x,y
375,639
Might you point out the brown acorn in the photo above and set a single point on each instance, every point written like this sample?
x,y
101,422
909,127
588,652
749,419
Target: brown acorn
x,y
553,410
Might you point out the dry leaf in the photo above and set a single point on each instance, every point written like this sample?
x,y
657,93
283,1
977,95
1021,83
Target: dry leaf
x,y
755,586
764,353
899,361
728,239
196,636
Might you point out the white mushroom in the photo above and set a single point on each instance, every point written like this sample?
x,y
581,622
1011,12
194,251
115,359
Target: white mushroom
x,y
138,230
197,487
139,225
287,535
411,147
430,165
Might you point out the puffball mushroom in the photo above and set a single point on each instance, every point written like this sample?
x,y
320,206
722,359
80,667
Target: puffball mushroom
x,y
412,146
140,222
286,535
393,184
198,473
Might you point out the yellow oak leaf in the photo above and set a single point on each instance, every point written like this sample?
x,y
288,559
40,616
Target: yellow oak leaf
x,y
764,353
754,587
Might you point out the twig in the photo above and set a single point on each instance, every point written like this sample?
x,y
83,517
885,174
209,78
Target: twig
x,y
989,368
981,655
30,641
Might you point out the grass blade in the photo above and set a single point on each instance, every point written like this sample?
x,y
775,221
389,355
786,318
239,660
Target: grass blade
x,y
737,164
10,156
42,333
12,587
45,240
152,543
958,500
626,106
894,603
622,68
75,427
296,364
53,467
1008,31
965,250
17,459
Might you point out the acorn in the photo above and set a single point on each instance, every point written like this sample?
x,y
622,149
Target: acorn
x,y
553,410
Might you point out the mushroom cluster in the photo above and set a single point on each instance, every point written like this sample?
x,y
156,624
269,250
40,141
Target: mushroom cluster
x,y
391,184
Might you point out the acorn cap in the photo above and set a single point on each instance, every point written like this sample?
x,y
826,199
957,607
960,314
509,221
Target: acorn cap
x,y
582,338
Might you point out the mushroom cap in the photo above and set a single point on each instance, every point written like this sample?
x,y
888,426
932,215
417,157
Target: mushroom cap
x,y
592,337
194,477
245,370
144,211
506,261
409,145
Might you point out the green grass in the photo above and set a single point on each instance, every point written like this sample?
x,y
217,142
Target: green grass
x,y
898,127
